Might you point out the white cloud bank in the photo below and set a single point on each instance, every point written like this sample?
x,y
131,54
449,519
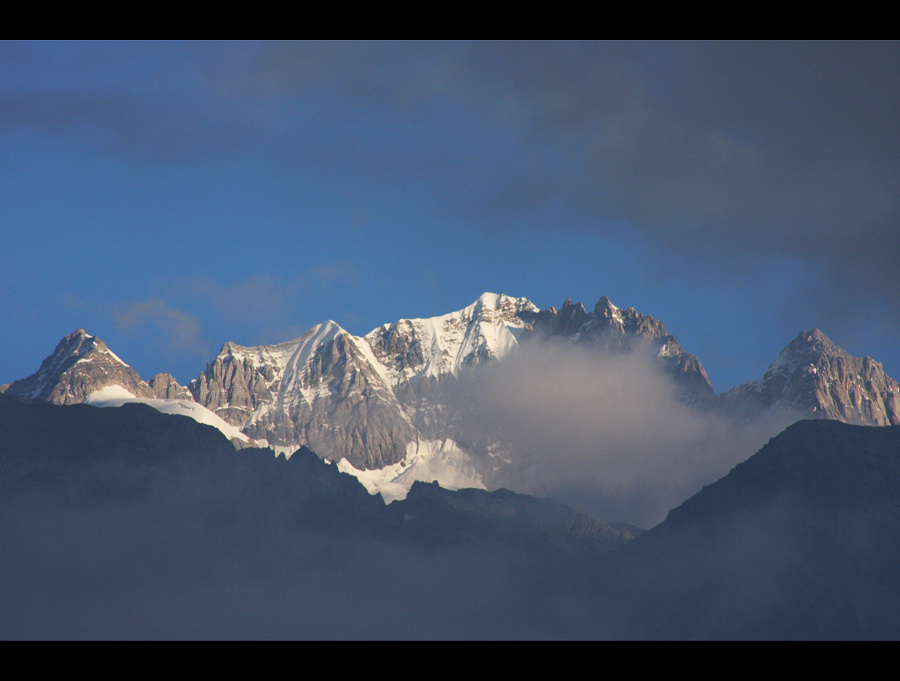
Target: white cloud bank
x,y
604,433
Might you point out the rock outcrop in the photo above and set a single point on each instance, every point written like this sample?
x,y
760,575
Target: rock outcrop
x,y
165,387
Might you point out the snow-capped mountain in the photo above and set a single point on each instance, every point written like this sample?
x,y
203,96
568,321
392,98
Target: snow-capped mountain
x,y
377,404
819,379
80,365
416,349
83,369
369,400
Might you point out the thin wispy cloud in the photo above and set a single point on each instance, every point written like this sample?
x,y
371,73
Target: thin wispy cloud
x,y
176,330
256,304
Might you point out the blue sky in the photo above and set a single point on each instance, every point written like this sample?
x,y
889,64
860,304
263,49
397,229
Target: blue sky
x,y
171,196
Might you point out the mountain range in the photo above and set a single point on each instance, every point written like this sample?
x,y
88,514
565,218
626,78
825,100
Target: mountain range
x,y
385,405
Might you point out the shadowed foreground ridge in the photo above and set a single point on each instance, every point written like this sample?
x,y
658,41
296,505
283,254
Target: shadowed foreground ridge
x,y
129,523
800,541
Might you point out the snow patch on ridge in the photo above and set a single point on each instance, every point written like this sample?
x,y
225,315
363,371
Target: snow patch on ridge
x,y
295,372
116,396
441,461
115,356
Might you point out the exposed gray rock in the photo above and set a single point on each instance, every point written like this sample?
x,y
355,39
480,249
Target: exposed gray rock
x,y
336,403
165,387
321,390
240,380
80,365
819,379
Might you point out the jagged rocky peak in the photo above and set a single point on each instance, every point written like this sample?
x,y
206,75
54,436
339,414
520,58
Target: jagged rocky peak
x,y
605,309
334,397
816,336
611,328
571,317
502,307
324,389
820,379
241,379
80,364
165,387
808,345
619,327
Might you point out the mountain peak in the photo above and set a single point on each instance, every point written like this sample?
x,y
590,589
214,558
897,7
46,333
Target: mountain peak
x,y
822,380
605,309
491,298
499,302
809,347
817,339
80,364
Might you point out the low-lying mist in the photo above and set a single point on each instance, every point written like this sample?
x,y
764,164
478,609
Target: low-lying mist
x,y
218,554
604,432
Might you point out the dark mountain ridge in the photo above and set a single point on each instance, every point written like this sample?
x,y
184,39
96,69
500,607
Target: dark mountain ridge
x,y
801,541
111,520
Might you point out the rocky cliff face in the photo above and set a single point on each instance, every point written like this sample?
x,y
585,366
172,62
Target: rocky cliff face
x,y
80,365
333,398
323,390
241,379
818,379
165,387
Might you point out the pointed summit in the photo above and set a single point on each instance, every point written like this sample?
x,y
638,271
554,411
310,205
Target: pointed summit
x,y
807,349
813,342
605,308
80,365
822,380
